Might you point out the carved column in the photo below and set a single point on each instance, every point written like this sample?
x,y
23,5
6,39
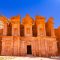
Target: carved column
x,y
5,29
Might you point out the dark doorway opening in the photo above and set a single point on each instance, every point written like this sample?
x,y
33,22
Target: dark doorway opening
x,y
9,29
29,50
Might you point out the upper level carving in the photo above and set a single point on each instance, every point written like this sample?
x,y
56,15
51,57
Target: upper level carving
x,y
9,25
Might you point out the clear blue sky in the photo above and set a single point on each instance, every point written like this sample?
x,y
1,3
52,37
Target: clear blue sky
x,y
45,8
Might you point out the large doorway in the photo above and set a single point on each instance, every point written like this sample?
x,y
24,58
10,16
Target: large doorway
x,y
29,49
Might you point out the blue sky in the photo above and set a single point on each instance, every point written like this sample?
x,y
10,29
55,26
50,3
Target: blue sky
x,y
46,8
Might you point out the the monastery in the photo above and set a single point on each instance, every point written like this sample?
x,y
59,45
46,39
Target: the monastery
x,y
29,37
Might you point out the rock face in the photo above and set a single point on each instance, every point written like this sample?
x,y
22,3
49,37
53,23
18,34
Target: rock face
x,y
57,33
34,37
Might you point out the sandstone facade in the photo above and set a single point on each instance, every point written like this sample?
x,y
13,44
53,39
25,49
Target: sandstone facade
x,y
31,37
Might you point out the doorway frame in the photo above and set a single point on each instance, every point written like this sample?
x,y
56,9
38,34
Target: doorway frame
x,y
30,49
